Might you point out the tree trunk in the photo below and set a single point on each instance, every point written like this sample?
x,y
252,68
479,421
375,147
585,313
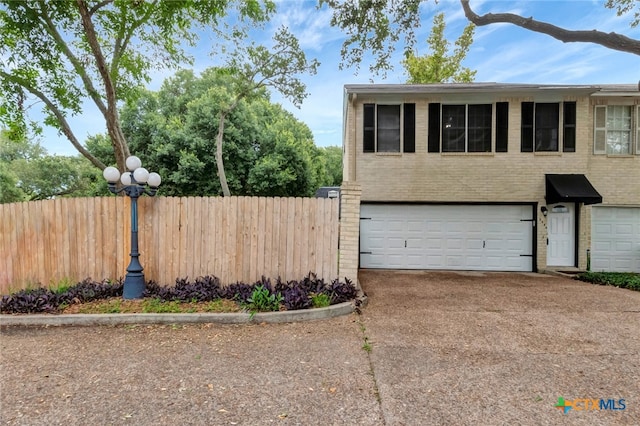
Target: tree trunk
x,y
219,161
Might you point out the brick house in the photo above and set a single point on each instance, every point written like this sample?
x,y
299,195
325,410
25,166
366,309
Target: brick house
x,y
487,176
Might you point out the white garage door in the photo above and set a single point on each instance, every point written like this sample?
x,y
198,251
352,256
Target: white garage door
x,y
615,239
462,237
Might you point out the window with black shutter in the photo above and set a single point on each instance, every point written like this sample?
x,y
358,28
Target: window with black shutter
x,y
387,128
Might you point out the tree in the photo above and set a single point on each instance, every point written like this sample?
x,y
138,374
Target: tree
x,y
62,52
332,156
439,67
377,25
172,129
256,67
28,173
9,190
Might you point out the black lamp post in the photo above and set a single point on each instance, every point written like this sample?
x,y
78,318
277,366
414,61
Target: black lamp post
x,y
136,182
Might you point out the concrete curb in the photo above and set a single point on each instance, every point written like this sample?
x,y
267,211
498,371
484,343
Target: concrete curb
x,y
219,318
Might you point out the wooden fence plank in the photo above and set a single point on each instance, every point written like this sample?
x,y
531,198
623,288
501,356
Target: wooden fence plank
x,y
276,247
215,242
286,238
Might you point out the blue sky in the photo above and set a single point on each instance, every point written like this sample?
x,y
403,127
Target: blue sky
x,y
500,53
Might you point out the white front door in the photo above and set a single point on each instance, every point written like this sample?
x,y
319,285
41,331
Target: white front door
x,y
561,241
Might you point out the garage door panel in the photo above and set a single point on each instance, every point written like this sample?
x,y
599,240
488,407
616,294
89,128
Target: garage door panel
x,y
623,229
470,237
615,239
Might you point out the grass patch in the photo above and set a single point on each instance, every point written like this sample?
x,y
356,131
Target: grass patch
x,y
628,280
117,305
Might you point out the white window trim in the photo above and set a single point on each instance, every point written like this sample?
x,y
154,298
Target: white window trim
x,y
634,129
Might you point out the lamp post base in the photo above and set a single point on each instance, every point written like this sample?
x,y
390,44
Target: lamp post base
x,y
133,285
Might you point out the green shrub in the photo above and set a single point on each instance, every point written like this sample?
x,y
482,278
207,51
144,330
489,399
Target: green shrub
x,y
320,300
628,280
263,300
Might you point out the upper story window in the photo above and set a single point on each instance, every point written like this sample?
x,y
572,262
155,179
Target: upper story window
x,y
389,128
467,127
616,129
540,127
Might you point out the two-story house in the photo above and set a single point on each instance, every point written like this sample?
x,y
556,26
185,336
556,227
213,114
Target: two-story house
x,y
488,176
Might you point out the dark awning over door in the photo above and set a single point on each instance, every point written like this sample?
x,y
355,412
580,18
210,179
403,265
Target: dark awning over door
x,y
571,188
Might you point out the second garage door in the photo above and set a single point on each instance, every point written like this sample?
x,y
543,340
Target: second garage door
x,y
458,237
615,239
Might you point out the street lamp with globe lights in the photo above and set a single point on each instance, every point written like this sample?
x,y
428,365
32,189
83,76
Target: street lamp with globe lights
x,y
136,181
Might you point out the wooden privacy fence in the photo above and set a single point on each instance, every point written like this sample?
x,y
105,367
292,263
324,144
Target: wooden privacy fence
x,y
233,238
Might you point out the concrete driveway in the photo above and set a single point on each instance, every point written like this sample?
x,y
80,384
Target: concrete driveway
x,y
445,349
495,348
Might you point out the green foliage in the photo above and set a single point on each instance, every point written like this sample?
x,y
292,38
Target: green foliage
x,y
627,280
267,151
28,173
332,156
438,66
320,300
377,27
100,147
374,26
263,300
9,190
64,52
625,6
161,307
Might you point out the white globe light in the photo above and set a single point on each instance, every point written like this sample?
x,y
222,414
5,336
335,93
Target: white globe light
x,y
126,178
141,175
154,180
111,174
133,163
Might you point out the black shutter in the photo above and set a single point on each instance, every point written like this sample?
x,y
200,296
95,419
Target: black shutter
x,y
369,126
502,126
569,127
526,132
433,136
409,128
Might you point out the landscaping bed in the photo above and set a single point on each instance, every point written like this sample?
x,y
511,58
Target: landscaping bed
x,y
628,280
204,294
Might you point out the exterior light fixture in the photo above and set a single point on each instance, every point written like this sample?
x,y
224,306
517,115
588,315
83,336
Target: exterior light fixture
x,y
544,211
136,182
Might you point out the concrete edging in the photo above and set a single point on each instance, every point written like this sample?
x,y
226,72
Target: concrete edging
x,y
339,309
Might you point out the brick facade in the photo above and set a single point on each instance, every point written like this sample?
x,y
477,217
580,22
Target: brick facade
x,y
349,231
494,177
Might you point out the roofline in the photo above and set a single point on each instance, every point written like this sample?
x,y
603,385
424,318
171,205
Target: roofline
x,y
602,89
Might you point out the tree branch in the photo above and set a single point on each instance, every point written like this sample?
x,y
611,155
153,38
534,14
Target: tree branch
x,y
98,6
113,127
609,40
77,64
124,36
65,128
